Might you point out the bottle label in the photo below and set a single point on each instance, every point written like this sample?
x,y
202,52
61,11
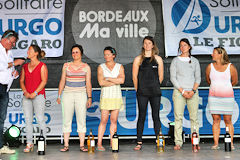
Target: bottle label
x,y
160,142
114,144
195,141
227,140
40,145
92,143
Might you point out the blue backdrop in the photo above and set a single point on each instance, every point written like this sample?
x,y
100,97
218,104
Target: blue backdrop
x,y
128,117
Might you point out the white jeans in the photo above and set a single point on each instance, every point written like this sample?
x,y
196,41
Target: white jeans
x,y
37,106
74,101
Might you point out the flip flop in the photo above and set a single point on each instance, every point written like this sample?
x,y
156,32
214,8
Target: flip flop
x,y
215,147
101,149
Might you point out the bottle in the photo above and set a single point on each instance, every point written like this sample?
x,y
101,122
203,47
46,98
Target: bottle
x,y
160,142
41,144
91,142
227,141
115,143
195,142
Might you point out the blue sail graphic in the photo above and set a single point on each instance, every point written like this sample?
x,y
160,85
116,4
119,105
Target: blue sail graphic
x,y
190,16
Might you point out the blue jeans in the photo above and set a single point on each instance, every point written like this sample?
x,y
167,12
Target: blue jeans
x,y
3,110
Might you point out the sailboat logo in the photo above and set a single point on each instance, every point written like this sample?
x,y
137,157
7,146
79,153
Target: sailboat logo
x,y
190,16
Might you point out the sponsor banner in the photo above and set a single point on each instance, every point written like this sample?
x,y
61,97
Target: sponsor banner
x,y
127,118
97,24
38,22
206,23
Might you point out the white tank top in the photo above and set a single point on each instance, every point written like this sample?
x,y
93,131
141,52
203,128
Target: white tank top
x,y
221,85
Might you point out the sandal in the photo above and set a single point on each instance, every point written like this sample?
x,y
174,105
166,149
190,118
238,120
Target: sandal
x,y
64,149
215,147
29,148
83,149
232,147
177,147
138,147
101,148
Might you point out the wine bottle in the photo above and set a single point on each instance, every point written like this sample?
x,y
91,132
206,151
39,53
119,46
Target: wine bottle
x,y
160,141
115,143
195,142
91,142
227,141
41,144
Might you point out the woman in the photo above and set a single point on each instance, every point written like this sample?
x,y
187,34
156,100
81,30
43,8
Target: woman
x,y
77,95
221,75
110,76
33,79
147,75
185,76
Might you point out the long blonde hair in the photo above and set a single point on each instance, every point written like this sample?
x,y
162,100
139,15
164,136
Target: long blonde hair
x,y
155,50
224,59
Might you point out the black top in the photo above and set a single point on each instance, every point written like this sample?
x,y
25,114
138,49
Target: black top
x,y
148,79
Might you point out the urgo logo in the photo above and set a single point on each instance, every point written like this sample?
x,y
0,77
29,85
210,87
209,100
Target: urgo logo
x,y
190,16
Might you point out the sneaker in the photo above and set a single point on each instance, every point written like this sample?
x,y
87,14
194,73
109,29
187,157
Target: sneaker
x,y
6,150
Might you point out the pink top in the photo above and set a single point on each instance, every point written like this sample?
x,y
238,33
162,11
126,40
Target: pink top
x,y
221,85
75,78
33,79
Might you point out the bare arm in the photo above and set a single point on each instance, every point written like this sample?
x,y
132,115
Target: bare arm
x,y
207,73
44,78
160,68
135,69
22,85
120,79
89,87
234,75
101,80
61,84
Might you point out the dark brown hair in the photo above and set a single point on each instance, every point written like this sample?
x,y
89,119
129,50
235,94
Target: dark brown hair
x,y
188,43
41,53
155,50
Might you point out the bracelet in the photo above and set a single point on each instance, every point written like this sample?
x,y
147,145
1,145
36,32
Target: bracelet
x,y
183,92
36,92
89,97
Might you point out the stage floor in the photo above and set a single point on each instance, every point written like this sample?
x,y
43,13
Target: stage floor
x,y
148,152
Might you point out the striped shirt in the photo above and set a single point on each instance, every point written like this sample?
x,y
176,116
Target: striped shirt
x,y
75,78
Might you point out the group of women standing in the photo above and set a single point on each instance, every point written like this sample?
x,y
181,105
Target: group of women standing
x,y
75,91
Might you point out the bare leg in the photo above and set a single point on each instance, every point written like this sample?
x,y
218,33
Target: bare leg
x,y
228,122
113,126
216,128
66,139
81,138
102,126
66,142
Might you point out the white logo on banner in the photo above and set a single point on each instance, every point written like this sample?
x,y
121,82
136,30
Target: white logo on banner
x,y
98,24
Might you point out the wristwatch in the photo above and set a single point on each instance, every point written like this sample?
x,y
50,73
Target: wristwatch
x,y
194,91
